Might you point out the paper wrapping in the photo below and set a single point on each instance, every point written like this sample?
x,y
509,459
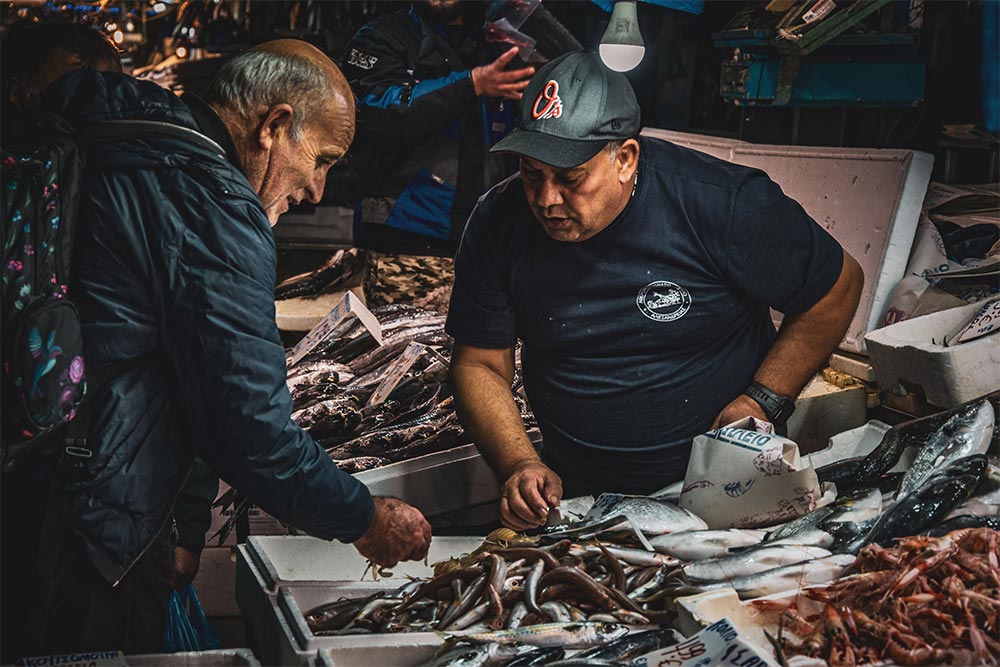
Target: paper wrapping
x,y
744,476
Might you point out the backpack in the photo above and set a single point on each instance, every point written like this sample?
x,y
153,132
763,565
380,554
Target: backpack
x,y
44,373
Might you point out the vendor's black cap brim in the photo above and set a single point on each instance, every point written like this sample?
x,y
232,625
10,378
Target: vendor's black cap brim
x,y
554,151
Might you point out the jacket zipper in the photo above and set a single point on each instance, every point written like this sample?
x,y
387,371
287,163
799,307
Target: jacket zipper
x,y
159,528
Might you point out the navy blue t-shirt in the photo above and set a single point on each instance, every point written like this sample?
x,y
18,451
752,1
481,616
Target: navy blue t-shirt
x,y
636,338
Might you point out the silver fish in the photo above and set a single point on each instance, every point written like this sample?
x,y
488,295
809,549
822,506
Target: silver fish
x,y
701,544
856,506
818,571
965,434
566,635
476,656
751,561
651,516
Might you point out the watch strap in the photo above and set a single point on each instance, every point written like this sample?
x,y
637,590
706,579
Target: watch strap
x,y
777,407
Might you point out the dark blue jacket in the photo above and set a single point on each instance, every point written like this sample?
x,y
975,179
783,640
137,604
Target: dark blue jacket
x,y
175,265
423,137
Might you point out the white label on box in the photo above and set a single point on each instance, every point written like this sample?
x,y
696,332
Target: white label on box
x,y
341,314
83,659
397,369
718,644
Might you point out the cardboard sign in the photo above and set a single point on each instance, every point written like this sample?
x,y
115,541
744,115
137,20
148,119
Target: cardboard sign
x,y
82,659
986,321
718,644
396,370
335,324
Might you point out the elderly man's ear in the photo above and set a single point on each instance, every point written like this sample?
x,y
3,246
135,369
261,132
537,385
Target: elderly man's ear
x,y
277,121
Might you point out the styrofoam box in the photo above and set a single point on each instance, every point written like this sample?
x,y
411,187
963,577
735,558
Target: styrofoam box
x,y
230,657
910,352
868,199
266,564
300,644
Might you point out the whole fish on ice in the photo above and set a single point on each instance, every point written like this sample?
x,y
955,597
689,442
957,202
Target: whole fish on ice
x,y
965,434
701,544
818,571
750,562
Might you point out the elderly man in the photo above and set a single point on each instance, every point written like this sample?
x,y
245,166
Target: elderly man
x,y
174,282
638,276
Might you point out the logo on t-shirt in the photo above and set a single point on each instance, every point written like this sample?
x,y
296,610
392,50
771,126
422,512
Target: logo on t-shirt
x,y
548,104
663,301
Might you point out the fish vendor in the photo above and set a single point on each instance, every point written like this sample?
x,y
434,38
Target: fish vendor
x,y
639,277
174,282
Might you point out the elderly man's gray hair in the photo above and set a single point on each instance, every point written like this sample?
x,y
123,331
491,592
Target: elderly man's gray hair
x,y
254,81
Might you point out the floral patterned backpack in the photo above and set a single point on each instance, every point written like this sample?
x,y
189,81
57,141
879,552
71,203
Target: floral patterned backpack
x,y
43,376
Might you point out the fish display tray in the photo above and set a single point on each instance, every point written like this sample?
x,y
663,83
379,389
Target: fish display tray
x,y
868,199
910,353
300,644
230,657
855,442
265,565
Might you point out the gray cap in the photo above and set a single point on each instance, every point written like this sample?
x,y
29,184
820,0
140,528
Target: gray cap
x,y
571,109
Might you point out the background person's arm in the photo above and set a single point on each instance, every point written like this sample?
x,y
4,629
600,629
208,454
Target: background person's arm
x,y
482,379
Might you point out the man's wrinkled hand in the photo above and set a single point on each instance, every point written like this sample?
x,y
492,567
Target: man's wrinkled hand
x,y
531,490
494,81
741,407
398,532
185,568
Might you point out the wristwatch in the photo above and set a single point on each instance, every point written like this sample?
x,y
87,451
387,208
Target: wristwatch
x,y
777,407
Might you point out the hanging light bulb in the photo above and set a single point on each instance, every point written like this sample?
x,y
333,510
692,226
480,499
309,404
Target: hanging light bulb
x,y
621,46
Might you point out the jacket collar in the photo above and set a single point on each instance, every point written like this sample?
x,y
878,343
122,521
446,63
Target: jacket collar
x,y
212,126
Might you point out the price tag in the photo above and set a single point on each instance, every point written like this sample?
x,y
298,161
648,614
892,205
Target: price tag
x,y
397,369
718,644
82,659
336,323
986,321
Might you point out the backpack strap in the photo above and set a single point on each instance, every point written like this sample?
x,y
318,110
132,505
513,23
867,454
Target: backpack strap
x,y
111,131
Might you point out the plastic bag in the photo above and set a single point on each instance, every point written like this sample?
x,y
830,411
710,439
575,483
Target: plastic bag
x,y
187,627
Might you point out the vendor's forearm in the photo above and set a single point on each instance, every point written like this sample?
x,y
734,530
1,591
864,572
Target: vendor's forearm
x,y
491,417
806,341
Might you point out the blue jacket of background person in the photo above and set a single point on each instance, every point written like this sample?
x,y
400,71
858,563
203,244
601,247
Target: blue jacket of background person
x,y
423,136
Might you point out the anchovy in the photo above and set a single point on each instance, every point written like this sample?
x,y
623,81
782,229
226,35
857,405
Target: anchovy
x,y
818,571
632,645
750,562
701,544
965,434
566,635
556,611
649,515
855,506
538,656
475,656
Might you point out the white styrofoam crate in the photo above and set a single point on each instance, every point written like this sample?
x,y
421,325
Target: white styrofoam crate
x,y
910,353
268,564
410,648
229,657
822,410
868,199
850,444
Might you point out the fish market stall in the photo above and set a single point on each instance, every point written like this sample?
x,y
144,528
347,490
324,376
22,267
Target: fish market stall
x,y
897,564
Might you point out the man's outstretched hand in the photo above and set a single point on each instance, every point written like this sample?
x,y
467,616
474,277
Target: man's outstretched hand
x,y
494,81
398,532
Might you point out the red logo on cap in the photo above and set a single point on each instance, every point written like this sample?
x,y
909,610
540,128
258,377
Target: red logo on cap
x,y
553,103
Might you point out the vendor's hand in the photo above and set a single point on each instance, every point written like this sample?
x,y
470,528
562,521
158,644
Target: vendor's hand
x,y
531,490
741,407
398,532
493,81
185,567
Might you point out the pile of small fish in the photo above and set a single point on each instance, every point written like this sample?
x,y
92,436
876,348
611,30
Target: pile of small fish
x,y
339,394
339,272
926,601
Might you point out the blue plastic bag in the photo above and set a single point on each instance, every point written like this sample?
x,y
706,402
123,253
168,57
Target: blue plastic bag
x,y
187,627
